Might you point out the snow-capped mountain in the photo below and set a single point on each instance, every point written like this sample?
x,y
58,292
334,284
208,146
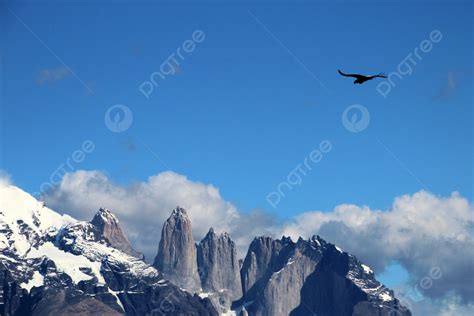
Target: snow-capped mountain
x,y
52,264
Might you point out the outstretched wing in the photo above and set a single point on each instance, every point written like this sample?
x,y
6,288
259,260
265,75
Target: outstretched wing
x,y
380,75
349,75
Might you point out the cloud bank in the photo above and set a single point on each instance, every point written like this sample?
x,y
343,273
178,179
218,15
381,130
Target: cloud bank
x,y
143,207
421,231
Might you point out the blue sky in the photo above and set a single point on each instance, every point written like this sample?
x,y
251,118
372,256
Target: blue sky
x,y
247,105
245,108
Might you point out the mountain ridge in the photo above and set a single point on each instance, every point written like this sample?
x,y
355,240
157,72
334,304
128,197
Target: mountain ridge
x,y
51,263
90,265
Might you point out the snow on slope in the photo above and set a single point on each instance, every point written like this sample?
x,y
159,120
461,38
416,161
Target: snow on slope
x,y
29,230
79,237
37,281
68,263
361,278
21,205
23,220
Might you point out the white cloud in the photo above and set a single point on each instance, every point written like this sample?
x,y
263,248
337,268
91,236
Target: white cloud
x,y
420,231
450,305
52,74
143,207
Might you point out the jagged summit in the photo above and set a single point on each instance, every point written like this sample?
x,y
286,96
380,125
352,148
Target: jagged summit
x,y
212,234
109,229
210,268
176,257
281,277
179,211
218,264
103,215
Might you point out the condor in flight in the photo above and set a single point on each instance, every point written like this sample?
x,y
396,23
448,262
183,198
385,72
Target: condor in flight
x,y
361,78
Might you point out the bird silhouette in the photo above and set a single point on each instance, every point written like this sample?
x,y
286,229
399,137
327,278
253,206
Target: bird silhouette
x,y
360,79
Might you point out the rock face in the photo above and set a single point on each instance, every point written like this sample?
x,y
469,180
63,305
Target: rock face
x,y
109,229
13,299
210,268
70,302
218,264
261,256
219,270
310,277
273,273
341,285
177,258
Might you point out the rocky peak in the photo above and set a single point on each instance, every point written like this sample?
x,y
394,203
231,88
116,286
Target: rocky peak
x,y
286,278
179,212
218,264
317,240
109,229
104,216
176,257
210,234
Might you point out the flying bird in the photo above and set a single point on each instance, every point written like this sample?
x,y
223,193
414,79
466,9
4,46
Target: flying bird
x,y
360,79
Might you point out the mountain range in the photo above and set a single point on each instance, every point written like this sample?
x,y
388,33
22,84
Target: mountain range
x,y
53,264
